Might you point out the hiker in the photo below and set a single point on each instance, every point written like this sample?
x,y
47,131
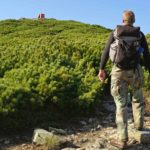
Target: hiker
x,y
126,71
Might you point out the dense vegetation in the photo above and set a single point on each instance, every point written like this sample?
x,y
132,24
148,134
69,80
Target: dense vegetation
x,y
48,65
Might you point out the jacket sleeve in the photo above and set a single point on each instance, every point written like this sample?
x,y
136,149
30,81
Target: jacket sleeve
x,y
105,53
146,53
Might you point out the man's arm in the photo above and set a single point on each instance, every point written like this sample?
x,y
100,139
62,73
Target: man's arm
x,y
104,58
105,54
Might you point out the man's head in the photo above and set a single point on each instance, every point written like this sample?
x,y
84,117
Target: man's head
x,y
128,17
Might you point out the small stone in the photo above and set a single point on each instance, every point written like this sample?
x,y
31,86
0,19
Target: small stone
x,y
69,148
42,137
90,120
92,130
25,146
6,142
69,132
17,137
83,123
58,131
82,148
105,122
132,141
98,126
83,140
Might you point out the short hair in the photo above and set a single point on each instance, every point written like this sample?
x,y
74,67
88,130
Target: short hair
x,y
128,17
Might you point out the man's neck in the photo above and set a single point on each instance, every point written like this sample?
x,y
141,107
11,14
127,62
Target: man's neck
x,y
127,24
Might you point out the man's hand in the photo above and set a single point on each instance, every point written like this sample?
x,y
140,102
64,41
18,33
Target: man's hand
x,y
101,75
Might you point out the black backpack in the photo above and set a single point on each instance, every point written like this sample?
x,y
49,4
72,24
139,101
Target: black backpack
x,y
124,51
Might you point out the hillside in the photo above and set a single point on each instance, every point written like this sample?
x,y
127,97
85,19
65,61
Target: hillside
x,y
48,76
48,65
49,69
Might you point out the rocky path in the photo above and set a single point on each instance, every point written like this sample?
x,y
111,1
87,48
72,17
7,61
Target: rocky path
x,y
92,134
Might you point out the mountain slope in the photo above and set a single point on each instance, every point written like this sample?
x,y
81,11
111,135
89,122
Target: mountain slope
x,y
46,64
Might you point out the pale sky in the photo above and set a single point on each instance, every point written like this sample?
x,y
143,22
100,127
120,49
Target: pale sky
x,y
101,12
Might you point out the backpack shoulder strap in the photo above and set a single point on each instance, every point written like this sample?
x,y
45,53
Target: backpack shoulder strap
x,y
116,37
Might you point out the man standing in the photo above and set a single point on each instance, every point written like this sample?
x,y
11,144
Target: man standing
x,y
124,75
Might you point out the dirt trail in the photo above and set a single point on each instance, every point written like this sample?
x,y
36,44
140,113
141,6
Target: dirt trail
x,y
91,134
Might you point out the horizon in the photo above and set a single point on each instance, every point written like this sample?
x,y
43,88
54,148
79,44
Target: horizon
x,y
57,20
106,13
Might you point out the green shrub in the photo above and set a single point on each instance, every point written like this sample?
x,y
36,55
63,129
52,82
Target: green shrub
x,y
49,63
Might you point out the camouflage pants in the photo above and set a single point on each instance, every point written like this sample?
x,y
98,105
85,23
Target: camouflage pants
x,y
120,82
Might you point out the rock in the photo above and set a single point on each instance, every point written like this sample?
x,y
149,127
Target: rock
x,y
43,137
92,130
57,131
69,131
83,140
106,122
68,148
6,141
130,120
109,117
81,148
83,123
98,126
109,107
90,120
132,141
25,146
141,136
